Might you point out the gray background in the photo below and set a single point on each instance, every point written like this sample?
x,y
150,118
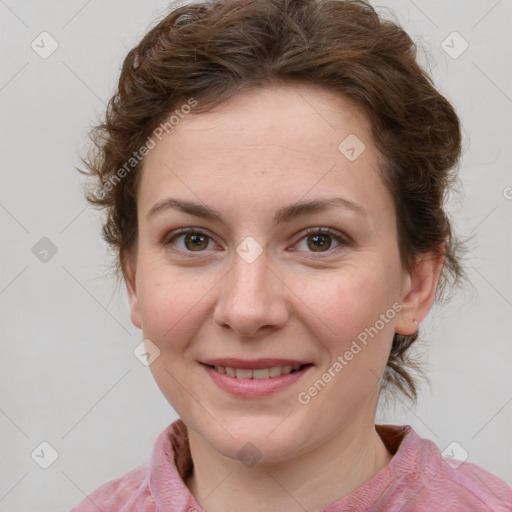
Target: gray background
x,y
67,373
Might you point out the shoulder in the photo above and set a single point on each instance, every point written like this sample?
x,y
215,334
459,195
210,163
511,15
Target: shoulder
x,y
477,486
420,478
455,485
141,488
115,494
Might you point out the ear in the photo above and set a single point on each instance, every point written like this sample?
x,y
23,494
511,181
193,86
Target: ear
x,y
129,271
418,292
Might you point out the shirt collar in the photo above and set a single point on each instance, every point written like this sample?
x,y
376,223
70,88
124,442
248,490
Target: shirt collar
x,y
171,464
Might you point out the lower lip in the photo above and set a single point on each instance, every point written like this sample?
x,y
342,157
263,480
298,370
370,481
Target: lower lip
x,y
254,388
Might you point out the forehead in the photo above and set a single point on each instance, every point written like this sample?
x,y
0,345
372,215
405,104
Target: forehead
x,y
306,118
263,143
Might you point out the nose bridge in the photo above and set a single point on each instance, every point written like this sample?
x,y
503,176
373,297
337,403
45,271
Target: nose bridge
x,y
250,295
249,276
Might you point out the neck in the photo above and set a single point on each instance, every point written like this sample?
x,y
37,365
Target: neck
x,y
310,481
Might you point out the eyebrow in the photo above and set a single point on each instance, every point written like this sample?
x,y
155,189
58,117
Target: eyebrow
x,y
284,214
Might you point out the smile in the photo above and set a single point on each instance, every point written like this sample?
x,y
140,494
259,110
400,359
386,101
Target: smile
x,y
255,379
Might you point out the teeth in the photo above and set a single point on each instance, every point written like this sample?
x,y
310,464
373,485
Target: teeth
x,y
260,373
243,373
275,371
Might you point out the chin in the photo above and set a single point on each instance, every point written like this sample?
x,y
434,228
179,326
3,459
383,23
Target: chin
x,y
255,440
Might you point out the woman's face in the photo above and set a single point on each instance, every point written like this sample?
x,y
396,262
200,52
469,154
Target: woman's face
x,y
259,287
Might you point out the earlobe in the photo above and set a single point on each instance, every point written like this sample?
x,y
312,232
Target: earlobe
x,y
419,292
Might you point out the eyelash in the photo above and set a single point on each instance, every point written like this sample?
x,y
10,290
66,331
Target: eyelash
x,y
343,240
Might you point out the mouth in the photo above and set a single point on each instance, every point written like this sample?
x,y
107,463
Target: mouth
x,y
255,379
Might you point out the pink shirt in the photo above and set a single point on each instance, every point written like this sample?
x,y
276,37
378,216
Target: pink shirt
x,y
417,479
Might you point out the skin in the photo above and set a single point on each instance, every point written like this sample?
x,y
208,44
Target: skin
x,y
260,151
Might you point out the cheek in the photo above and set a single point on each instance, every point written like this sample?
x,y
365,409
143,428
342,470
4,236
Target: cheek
x,y
349,306
172,304
348,299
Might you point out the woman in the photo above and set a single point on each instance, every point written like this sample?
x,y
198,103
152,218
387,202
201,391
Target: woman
x,y
273,173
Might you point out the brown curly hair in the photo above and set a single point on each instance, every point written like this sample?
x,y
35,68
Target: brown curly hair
x,y
211,50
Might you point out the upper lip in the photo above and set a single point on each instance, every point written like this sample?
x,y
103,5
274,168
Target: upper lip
x,y
253,364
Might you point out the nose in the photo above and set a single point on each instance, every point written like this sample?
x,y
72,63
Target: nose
x,y
253,298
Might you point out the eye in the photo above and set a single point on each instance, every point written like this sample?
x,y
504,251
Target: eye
x,y
192,240
315,240
320,240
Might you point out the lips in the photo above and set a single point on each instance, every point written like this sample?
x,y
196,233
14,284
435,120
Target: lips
x,y
251,379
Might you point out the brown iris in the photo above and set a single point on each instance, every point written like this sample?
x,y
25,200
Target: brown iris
x,y
320,242
198,241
